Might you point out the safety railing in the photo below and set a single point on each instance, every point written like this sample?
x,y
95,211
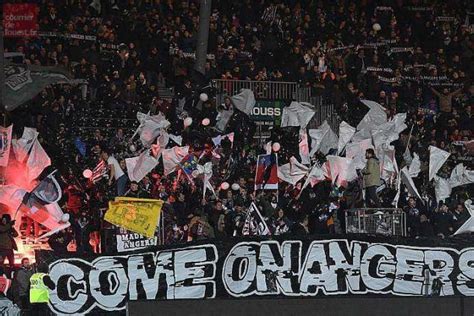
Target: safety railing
x,y
276,90
380,221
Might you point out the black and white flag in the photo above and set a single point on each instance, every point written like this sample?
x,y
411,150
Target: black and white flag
x,y
254,223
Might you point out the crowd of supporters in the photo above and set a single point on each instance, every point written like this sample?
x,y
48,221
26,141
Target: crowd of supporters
x,y
409,56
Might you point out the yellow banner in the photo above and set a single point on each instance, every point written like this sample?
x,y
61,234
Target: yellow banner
x,y
137,215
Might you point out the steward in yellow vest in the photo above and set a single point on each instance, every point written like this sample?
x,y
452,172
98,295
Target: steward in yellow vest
x,y
39,292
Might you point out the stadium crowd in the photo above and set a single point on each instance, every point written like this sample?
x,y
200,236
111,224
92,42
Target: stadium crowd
x,y
409,56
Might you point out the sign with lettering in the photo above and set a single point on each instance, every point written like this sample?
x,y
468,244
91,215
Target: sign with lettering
x,y
268,112
258,267
137,215
129,241
20,20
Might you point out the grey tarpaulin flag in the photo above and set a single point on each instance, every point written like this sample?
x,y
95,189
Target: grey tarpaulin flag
x,y
24,82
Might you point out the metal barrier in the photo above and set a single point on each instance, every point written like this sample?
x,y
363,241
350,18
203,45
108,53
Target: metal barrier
x,y
263,89
381,221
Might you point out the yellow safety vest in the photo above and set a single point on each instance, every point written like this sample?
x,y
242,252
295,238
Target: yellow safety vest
x,y
39,292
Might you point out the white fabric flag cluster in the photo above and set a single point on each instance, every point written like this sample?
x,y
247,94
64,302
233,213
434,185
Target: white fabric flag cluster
x,y
172,157
345,134
408,182
297,114
150,127
388,132
138,167
323,139
244,101
37,161
292,172
5,144
22,146
222,119
341,170
304,147
461,176
206,170
468,226
437,158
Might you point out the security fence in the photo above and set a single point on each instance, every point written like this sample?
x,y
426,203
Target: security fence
x,y
380,221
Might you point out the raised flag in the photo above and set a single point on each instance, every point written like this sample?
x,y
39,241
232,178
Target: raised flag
x,y
293,171
23,82
323,139
99,171
304,147
22,146
345,134
341,170
188,165
266,176
150,127
80,146
468,226
5,144
255,224
172,157
461,176
374,118
206,170
415,166
37,161
137,215
244,101
138,167
315,175
437,158
408,182
297,114
442,188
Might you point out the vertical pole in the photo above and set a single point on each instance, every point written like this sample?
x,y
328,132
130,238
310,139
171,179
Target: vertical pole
x,y
203,35
2,76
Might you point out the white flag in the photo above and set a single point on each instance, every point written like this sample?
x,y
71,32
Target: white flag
x,y
206,170
437,158
293,171
388,163
172,157
22,146
150,127
461,176
297,114
356,152
38,160
12,196
408,182
315,175
138,167
468,226
176,138
388,132
442,188
323,139
374,118
304,147
222,119
415,166
345,134
244,101
5,144
341,170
